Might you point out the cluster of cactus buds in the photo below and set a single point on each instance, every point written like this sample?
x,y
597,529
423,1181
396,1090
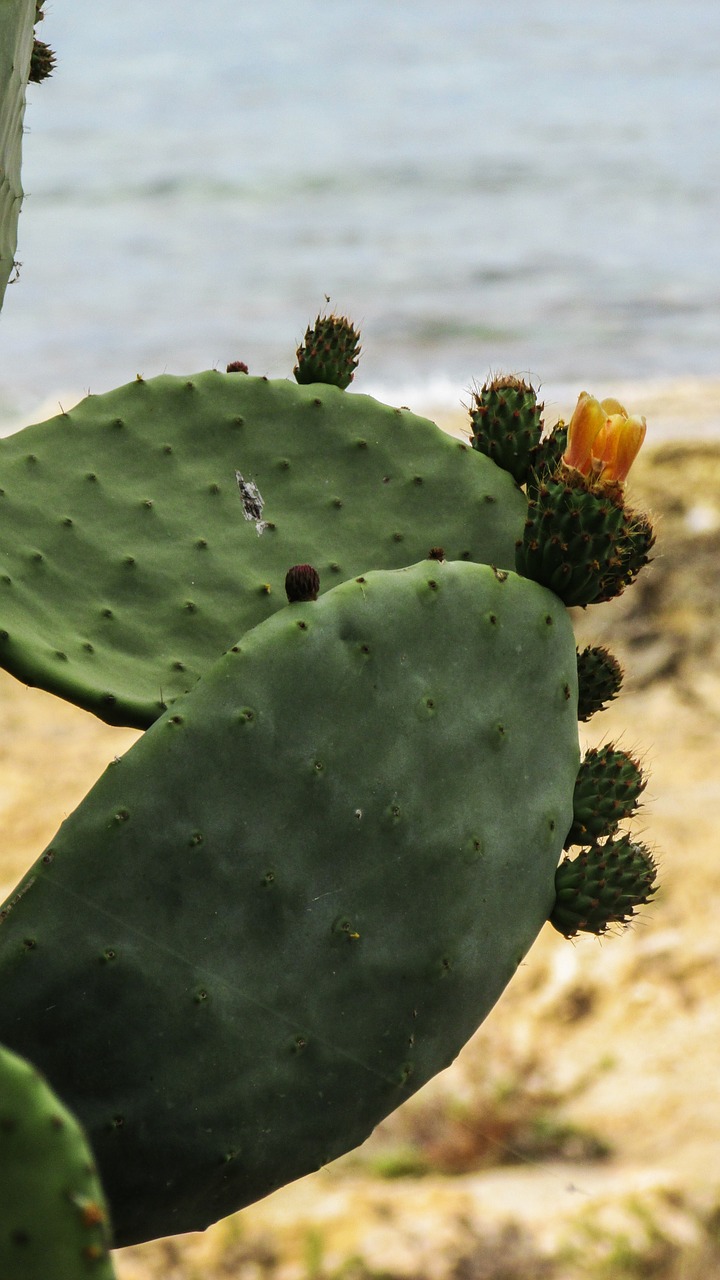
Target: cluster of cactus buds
x,y
612,876
582,542
580,539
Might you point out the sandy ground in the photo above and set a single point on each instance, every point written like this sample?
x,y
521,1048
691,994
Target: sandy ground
x,y
578,1135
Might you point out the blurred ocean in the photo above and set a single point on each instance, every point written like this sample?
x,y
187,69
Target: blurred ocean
x,y
513,184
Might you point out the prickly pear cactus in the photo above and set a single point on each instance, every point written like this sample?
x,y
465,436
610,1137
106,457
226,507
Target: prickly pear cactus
x,y
296,897
53,1217
149,528
17,18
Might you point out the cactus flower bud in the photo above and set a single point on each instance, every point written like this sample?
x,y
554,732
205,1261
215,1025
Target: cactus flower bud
x,y
302,583
603,440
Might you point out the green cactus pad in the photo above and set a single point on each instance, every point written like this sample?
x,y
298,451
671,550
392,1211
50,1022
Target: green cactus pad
x,y
17,18
300,892
582,543
604,885
507,424
147,529
53,1217
600,678
609,785
329,352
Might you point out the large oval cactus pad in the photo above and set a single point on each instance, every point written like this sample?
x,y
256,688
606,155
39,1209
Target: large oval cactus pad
x,y
296,897
144,531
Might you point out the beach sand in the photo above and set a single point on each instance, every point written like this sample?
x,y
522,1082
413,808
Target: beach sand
x,y
578,1134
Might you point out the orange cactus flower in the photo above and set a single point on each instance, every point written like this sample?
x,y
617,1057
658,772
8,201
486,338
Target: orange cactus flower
x,y
603,440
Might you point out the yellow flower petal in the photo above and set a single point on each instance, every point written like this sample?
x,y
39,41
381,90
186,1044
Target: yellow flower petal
x,y
603,440
624,439
613,406
587,421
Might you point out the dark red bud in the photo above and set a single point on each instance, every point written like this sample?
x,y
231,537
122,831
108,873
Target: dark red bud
x,y
302,582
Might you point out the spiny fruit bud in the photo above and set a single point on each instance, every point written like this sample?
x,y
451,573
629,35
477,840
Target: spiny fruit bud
x,y
608,787
507,424
585,545
42,62
599,680
237,366
302,583
604,885
328,353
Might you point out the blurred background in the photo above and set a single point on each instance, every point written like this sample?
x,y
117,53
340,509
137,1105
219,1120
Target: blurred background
x,y
511,186
525,186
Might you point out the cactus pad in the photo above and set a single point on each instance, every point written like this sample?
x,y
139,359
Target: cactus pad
x,y
17,18
319,871
53,1216
150,527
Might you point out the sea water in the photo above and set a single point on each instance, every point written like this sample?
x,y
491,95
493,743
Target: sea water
x,y
507,184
